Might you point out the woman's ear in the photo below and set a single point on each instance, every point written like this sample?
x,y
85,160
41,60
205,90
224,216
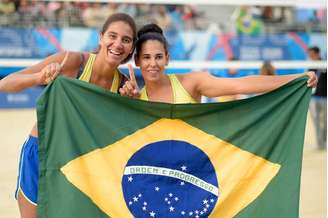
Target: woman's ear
x,y
132,50
100,38
167,59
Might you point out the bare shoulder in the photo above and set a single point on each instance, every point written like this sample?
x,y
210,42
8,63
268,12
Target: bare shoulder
x,y
192,77
73,62
191,80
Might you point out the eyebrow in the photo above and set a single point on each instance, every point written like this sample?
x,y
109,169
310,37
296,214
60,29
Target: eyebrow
x,y
115,33
158,54
127,37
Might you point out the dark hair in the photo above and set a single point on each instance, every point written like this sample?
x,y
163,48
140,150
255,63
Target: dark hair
x,y
126,19
150,32
315,49
267,69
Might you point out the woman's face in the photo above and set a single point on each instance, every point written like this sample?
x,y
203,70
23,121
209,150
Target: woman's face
x,y
152,60
116,42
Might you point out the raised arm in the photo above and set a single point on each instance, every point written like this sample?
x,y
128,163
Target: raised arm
x,y
211,86
39,74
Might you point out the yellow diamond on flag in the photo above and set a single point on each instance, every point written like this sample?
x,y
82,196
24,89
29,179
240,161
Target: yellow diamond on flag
x,y
242,176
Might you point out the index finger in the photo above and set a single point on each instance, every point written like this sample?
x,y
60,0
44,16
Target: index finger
x,y
131,73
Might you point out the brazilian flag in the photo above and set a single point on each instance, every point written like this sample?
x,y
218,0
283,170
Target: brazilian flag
x,y
103,155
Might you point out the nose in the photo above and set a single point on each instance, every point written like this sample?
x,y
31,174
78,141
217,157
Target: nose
x,y
153,62
118,43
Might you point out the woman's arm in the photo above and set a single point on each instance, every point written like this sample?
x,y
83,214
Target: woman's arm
x,y
211,86
39,74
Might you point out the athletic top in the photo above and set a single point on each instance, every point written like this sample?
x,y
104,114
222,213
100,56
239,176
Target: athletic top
x,y
180,95
86,73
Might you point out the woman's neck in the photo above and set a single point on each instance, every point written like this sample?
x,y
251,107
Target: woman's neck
x,y
160,90
102,73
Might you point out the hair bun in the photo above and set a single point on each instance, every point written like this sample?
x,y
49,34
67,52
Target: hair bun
x,y
150,28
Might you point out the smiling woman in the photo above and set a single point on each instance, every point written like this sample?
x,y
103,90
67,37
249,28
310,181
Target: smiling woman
x,y
116,46
152,57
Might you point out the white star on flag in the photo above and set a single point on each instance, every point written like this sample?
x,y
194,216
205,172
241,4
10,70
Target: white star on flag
x,y
130,178
205,201
171,209
156,188
152,214
135,199
184,168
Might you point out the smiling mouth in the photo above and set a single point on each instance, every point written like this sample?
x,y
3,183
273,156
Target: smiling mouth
x,y
153,71
114,52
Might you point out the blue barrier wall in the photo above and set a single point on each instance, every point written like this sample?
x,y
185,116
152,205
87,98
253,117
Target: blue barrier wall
x,y
24,99
41,42
16,43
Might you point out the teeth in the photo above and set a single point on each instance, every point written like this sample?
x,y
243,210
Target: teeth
x,y
114,52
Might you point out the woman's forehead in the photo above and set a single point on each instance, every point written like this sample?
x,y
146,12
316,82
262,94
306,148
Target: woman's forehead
x,y
120,27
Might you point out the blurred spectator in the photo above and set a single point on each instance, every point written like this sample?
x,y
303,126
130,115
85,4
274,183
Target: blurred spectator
x,y
127,8
70,14
176,15
273,14
162,18
247,21
232,72
7,10
24,11
53,11
189,17
95,15
267,69
7,7
319,100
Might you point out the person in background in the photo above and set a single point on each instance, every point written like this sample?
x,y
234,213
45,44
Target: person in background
x,y
319,100
232,72
267,69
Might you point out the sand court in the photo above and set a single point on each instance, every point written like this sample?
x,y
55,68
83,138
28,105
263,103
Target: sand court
x,y
15,125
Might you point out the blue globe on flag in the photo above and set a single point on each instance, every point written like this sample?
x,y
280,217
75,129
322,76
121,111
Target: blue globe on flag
x,y
170,179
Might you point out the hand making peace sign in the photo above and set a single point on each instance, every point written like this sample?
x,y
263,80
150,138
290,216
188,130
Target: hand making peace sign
x,y
130,87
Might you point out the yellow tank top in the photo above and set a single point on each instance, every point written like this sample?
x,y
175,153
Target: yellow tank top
x,y
86,74
180,95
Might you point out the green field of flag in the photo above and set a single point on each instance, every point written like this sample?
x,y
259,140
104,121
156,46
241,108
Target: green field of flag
x,y
103,155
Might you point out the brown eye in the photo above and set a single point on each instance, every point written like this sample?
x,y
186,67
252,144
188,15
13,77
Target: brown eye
x,y
127,40
159,57
111,36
